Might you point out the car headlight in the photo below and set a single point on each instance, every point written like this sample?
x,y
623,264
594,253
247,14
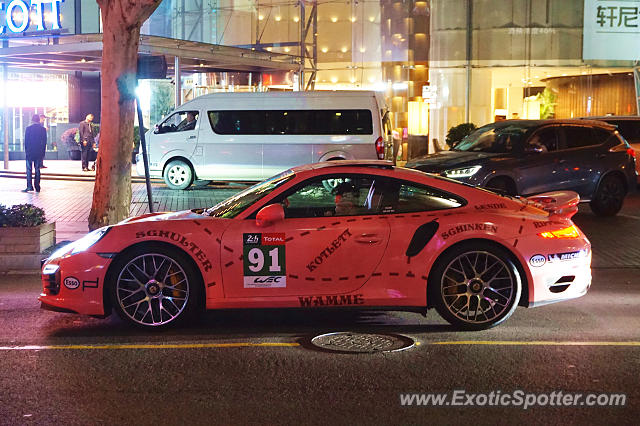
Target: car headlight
x,y
462,173
80,245
88,240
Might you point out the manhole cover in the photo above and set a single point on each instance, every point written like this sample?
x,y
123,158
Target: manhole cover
x,y
361,342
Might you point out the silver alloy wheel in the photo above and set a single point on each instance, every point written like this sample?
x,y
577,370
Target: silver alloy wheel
x,y
178,174
478,287
152,289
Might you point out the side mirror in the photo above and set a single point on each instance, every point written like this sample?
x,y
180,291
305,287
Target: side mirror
x,y
269,215
530,149
156,129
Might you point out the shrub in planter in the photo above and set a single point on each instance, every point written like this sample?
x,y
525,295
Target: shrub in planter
x,y
21,215
24,235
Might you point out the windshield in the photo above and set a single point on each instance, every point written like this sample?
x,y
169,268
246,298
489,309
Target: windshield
x,y
498,137
233,206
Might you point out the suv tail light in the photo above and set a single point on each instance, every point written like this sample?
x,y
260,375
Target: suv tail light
x,y
380,148
631,152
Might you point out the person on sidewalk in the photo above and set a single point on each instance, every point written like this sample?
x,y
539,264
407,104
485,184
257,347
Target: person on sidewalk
x,y
43,119
35,143
86,141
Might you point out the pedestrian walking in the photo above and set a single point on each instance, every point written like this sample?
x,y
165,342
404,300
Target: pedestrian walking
x,y
43,119
35,143
86,141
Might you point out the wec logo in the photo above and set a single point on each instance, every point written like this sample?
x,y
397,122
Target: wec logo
x,y
268,281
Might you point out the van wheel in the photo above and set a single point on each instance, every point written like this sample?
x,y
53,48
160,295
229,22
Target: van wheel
x,y
609,196
178,175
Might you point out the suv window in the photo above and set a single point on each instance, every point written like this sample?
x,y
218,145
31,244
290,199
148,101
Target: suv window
x,y
545,140
600,136
629,129
578,136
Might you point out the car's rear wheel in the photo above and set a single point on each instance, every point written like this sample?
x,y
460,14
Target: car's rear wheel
x,y
178,175
475,286
154,286
609,196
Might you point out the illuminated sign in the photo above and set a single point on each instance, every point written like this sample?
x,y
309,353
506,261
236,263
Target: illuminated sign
x,y
611,30
20,15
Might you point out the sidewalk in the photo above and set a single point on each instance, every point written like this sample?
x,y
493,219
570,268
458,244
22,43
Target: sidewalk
x,y
67,194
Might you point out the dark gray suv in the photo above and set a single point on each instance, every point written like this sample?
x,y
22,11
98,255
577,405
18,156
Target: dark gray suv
x,y
525,157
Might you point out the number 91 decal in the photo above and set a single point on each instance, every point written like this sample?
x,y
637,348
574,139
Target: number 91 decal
x,y
264,260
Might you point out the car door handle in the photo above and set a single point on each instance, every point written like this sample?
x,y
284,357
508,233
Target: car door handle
x,y
368,238
562,161
601,156
192,137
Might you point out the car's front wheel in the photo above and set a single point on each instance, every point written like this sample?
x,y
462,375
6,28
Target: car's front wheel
x,y
475,286
609,196
178,175
154,286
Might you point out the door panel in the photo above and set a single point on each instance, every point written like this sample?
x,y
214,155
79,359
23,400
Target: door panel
x,y
302,256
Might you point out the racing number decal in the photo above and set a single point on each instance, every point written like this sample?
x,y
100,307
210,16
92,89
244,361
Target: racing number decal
x,y
264,260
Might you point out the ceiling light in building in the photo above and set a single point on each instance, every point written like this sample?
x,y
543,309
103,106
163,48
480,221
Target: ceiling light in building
x,y
334,79
334,19
564,75
201,64
325,49
286,49
260,17
278,18
269,49
584,72
535,76
371,79
296,19
344,49
362,50
372,18
353,19
83,60
352,80
400,85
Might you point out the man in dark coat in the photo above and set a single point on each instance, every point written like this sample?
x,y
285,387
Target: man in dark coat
x,y
86,141
35,144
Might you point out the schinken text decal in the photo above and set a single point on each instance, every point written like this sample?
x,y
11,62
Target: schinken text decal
x,y
181,240
264,260
469,227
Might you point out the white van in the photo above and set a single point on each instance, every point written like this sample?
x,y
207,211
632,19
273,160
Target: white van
x,y
252,136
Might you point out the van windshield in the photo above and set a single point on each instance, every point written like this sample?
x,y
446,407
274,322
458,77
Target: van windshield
x,y
233,206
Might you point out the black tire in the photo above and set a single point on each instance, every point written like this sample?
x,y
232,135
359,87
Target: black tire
x,y
609,196
154,286
469,298
178,175
502,185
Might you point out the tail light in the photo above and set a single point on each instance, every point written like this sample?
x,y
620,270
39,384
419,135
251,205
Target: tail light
x,y
631,152
569,232
380,148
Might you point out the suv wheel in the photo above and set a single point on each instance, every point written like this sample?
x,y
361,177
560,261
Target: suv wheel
x,y
609,196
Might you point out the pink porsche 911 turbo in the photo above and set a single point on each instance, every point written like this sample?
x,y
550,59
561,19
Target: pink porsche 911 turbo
x,y
326,235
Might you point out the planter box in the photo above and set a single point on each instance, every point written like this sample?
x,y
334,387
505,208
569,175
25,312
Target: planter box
x,y
21,248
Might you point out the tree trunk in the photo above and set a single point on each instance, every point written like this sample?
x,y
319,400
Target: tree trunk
x,y
121,20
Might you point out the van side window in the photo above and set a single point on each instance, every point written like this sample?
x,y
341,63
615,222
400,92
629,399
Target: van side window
x,y
180,121
292,122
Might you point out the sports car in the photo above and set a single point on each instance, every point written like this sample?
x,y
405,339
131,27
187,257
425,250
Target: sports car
x,y
326,235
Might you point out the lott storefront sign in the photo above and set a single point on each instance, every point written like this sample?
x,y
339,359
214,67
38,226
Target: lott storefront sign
x,y
18,16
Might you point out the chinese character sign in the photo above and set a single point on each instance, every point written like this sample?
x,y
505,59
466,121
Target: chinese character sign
x,y
611,30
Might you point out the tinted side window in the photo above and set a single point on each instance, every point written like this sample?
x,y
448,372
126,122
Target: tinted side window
x,y
405,197
292,122
577,137
630,130
600,136
545,140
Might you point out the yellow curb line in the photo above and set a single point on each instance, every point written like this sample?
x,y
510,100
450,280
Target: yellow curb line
x,y
533,343
147,346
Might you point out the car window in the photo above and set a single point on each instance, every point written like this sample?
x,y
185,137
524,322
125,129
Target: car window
x,y
577,137
545,140
236,204
351,195
600,136
629,129
180,121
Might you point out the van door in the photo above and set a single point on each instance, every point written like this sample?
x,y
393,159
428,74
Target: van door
x,y
176,136
231,144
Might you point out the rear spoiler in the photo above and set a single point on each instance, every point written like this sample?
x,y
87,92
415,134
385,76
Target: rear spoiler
x,y
562,204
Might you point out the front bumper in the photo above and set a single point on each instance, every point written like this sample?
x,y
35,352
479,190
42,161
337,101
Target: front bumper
x,y
77,286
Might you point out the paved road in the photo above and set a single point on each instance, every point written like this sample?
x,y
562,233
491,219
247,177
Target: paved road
x,y
138,380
